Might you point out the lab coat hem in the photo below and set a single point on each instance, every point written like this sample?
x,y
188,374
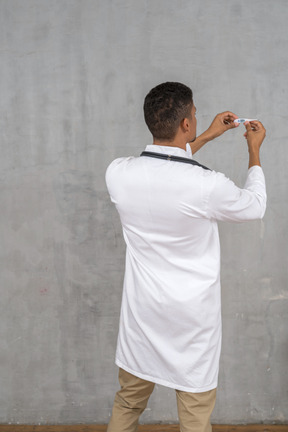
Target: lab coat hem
x,y
165,383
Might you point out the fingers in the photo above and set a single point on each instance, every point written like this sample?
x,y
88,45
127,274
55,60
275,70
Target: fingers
x,y
248,126
228,118
255,126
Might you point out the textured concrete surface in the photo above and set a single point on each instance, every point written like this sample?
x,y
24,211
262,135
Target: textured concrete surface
x,y
73,77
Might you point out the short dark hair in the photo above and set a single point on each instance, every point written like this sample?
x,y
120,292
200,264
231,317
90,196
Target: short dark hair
x,y
165,106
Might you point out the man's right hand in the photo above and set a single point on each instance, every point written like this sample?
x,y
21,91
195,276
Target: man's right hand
x,y
255,134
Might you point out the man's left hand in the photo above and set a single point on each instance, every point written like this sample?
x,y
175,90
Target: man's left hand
x,y
221,123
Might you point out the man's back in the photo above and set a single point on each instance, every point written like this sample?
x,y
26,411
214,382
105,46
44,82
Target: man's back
x,y
163,211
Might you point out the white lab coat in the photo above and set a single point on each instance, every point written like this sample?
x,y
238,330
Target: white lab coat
x,y
170,324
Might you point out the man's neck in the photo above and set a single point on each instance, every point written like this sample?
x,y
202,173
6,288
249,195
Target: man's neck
x,y
174,143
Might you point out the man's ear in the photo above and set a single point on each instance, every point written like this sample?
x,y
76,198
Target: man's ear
x,y
185,125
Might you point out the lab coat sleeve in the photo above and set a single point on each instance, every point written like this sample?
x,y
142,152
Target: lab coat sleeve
x,y
227,202
111,177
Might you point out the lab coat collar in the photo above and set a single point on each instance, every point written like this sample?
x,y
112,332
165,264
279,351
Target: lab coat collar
x,y
175,151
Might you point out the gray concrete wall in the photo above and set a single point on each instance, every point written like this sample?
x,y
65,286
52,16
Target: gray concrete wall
x,y
73,77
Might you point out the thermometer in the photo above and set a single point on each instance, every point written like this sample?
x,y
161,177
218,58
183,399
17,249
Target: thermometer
x,y
243,120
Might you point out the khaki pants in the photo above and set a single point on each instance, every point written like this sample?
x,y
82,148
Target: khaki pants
x,y
194,409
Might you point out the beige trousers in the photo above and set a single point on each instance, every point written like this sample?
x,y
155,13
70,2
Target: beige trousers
x,y
194,409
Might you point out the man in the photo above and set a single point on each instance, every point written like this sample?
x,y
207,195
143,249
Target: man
x,y
170,324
